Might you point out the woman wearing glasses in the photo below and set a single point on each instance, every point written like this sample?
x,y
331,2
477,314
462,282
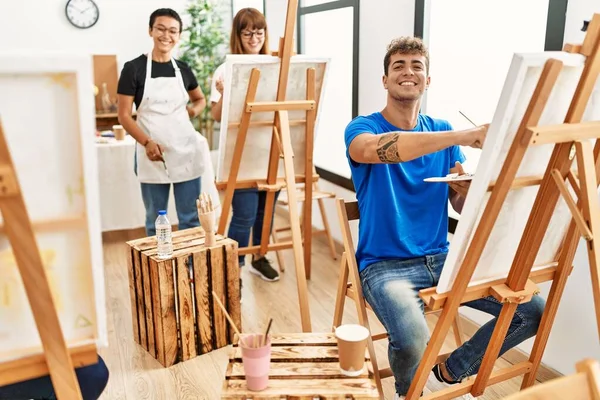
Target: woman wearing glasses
x,y
169,150
248,36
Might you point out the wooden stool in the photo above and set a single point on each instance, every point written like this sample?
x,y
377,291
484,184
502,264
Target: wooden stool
x,y
174,315
349,285
303,366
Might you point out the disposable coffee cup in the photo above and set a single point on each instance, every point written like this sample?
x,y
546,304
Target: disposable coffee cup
x,y
352,343
119,132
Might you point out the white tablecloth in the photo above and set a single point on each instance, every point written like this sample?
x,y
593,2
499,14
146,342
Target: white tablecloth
x,y
121,205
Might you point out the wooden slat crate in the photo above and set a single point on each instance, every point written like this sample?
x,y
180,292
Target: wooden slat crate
x,y
303,366
174,314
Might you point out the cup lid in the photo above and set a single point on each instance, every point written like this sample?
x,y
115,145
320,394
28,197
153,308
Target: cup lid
x,y
351,332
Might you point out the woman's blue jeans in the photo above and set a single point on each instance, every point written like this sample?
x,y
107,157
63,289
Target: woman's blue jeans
x,y
156,197
248,206
391,288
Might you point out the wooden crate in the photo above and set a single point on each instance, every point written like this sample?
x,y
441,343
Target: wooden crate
x,y
303,366
174,314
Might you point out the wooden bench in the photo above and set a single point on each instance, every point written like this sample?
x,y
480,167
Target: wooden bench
x,y
174,315
303,366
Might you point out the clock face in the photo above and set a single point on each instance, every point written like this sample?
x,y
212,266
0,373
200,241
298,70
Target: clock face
x,y
82,13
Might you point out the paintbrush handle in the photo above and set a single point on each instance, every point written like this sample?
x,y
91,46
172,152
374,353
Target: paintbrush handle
x,y
227,315
267,332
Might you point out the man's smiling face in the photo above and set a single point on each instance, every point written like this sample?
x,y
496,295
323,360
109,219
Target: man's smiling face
x,y
407,77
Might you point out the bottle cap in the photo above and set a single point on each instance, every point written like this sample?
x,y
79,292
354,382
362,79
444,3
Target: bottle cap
x,y
162,212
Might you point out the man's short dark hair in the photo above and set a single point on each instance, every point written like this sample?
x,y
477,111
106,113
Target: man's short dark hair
x,y
165,12
406,45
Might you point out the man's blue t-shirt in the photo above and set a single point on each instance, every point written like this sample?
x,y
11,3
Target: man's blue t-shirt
x,y
401,216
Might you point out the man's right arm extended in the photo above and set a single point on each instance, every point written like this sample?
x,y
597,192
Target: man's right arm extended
x,y
397,147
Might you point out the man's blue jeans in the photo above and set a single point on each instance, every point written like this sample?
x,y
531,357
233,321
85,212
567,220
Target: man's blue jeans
x,y
248,206
92,381
156,197
391,288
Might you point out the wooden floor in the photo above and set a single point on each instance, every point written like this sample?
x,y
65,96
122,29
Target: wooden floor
x,y
134,374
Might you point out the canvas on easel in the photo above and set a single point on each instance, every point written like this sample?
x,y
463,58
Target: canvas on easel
x,y
534,142
270,108
255,158
50,236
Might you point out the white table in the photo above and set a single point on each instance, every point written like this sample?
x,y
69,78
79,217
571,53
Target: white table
x,y
121,205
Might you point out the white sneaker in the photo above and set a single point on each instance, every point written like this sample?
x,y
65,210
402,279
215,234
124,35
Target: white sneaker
x,y
398,397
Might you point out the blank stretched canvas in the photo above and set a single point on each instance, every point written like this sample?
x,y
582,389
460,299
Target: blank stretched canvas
x,y
496,259
255,156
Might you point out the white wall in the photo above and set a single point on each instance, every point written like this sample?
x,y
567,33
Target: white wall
x,y
577,12
276,11
42,25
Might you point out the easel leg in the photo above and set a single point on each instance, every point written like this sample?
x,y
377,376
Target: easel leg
x,y
340,298
25,249
286,141
237,153
327,229
493,350
308,170
271,179
591,213
556,291
457,331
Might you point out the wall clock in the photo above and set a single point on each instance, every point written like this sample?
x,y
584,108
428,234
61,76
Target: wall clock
x,y
82,14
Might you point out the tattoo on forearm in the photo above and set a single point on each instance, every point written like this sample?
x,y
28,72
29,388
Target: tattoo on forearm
x,y
387,148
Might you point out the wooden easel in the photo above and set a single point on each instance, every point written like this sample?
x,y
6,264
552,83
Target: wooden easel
x,y
520,284
281,146
57,362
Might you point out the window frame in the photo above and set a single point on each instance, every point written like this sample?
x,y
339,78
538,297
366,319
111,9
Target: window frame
x,y
335,5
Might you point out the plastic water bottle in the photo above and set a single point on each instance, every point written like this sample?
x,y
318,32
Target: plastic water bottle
x,y
163,235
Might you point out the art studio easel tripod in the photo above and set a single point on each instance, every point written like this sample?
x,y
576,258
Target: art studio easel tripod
x,y
281,147
520,284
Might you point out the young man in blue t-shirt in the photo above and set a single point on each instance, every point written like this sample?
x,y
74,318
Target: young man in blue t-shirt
x,y
403,227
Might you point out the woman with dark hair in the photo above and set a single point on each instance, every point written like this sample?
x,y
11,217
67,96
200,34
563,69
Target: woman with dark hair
x,y
169,150
248,36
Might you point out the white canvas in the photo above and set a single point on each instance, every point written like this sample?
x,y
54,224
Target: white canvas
x,y
496,259
47,112
255,157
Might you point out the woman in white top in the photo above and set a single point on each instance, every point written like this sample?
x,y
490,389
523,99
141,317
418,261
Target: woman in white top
x,y
169,150
248,36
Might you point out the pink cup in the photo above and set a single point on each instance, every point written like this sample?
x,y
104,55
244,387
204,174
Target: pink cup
x,y
257,361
